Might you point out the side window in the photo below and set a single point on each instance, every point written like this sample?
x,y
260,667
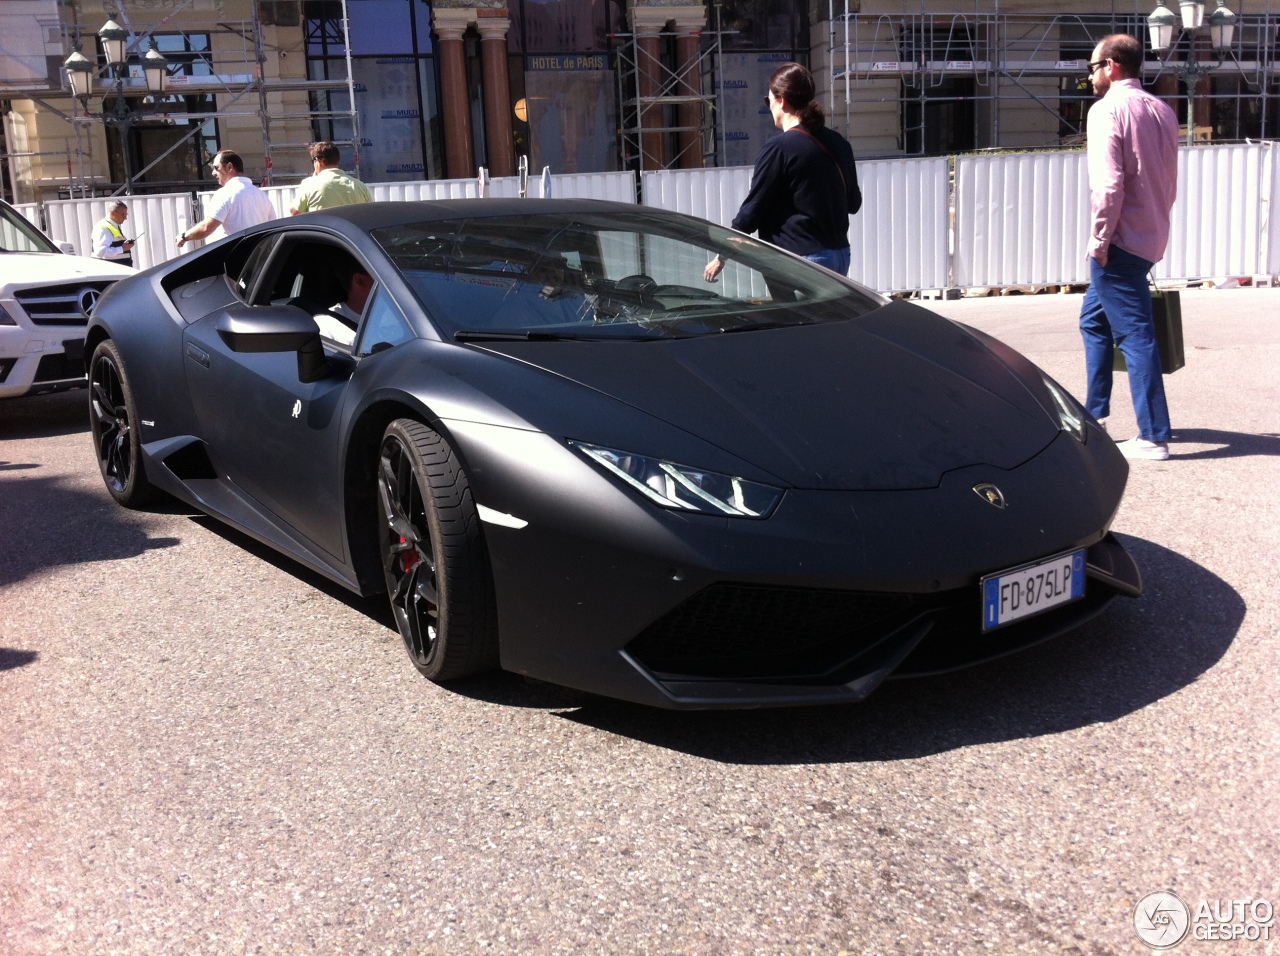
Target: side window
x,y
325,281
246,261
384,327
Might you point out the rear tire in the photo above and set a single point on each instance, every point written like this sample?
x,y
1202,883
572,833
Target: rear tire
x,y
113,418
433,555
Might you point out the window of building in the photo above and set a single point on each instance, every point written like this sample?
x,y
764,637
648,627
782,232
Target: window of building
x,y
557,26
563,83
570,105
173,154
763,25
1078,37
756,37
938,112
394,75
1231,101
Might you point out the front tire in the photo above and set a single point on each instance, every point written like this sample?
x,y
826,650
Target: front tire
x,y
113,417
433,555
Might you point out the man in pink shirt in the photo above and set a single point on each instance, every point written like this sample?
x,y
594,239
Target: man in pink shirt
x,y
1133,181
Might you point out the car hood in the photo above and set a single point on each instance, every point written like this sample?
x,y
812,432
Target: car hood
x,y
889,400
41,268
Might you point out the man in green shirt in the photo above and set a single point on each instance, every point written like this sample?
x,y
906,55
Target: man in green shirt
x,y
329,186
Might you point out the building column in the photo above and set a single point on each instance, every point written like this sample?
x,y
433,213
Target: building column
x,y
499,140
689,22
647,22
449,25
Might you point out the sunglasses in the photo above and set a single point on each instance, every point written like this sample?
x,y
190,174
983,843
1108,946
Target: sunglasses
x,y
1094,67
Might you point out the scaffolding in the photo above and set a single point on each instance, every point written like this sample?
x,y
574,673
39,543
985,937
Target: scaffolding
x,y
221,66
668,102
941,70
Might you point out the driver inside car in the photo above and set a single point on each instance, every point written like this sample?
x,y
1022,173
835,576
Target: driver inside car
x,y
340,321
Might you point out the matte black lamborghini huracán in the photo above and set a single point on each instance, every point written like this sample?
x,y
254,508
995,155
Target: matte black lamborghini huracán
x,y
563,452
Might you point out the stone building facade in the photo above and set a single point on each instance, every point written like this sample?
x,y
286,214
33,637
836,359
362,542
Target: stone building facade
x,y
431,89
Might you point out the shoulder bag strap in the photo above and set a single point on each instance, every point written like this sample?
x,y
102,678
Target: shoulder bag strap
x,y
818,143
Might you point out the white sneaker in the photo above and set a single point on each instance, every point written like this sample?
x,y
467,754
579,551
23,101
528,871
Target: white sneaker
x,y
1141,448
1102,423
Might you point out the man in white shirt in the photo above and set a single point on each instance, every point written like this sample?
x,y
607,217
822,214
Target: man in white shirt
x,y
108,239
237,205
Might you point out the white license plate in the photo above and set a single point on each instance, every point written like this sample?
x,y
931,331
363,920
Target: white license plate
x,y
1021,592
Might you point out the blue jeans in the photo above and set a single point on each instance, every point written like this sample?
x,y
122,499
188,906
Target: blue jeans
x,y
1117,309
837,260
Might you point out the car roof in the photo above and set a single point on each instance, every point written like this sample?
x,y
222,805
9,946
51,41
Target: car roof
x,y
377,214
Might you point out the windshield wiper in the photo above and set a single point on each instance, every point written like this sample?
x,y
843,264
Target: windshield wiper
x,y
763,326
640,335
480,335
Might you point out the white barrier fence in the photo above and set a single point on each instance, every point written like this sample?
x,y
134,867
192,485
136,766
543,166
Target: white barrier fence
x,y
899,239
154,220
30,211
1222,223
1019,219
711,194
619,187
157,220
1024,219
11,236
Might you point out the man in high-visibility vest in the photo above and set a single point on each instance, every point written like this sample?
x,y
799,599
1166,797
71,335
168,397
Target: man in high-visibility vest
x,y
108,239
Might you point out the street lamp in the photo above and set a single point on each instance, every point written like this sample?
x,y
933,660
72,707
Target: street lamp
x,y
1222,27
115,42
80,72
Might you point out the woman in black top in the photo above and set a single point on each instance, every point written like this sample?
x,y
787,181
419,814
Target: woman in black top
x,y
804,186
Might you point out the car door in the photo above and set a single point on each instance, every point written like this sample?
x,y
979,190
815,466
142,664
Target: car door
x,y
272,435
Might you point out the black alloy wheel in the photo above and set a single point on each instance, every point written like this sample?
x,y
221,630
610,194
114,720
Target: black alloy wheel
x,y
113,419
433,555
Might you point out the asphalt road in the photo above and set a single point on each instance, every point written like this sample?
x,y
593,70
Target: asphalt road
x,y
205,749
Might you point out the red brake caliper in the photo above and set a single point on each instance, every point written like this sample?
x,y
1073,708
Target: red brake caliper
x,y
409,558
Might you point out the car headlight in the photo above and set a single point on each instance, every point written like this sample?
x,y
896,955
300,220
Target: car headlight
x,y
1070,415
684,488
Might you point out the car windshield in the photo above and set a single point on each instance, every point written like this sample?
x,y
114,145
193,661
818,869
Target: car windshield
x,y
18,235
608,275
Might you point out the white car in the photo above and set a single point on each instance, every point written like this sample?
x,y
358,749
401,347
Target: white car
x,y
46,296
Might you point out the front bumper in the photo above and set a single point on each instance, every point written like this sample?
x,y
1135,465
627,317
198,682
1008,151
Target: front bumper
x,y
820,603
40,361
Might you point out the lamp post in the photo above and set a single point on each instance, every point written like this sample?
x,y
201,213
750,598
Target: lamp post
x,y
80,72
1222,28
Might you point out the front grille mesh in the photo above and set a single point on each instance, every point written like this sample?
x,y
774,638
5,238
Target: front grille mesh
x,y
59,304
739,631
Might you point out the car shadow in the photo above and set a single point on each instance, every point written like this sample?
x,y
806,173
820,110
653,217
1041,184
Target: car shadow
x,y
1134,654
48,522
1231,444
376,608
11,658
45,416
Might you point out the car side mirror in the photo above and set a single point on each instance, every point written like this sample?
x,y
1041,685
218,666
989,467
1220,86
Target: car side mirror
x,y
67,247
277,328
